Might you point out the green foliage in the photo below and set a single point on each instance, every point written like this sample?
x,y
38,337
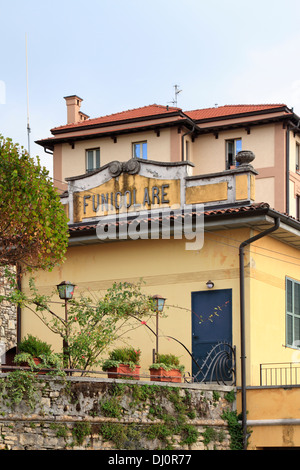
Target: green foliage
x,y
61,430
142,393
128,356
111,408
166,404
117,389
19,385
34,346
230,396
93,323
51,364
80,431
168,359
161,431
210,434
29,204
159,400
235,429
115,432
190,434
167,362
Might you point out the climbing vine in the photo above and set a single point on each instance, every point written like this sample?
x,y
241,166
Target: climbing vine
x,y
19,385
146,396
235,429
165,414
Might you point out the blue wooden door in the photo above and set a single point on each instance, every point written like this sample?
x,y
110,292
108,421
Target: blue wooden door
x,y
211,322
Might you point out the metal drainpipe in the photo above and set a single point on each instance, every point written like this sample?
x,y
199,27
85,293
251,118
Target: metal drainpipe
x,y
242,321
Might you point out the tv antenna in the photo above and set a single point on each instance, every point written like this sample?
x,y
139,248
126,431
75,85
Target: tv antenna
x,y
28,126
177,91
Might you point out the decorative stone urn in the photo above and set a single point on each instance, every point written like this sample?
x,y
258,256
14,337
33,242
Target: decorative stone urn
x,y
245,157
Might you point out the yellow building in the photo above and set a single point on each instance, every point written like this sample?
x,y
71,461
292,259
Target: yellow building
x,y
152,194
208,138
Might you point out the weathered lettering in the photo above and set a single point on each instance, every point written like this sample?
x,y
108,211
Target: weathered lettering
x,y
124,200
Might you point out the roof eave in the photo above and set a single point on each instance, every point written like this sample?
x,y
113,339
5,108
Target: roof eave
x,y
283,109
52,141
88,126
260,217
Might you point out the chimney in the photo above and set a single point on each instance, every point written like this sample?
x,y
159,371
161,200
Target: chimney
x,y
74,114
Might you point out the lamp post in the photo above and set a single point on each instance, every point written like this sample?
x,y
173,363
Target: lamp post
x,y
65,291
159,303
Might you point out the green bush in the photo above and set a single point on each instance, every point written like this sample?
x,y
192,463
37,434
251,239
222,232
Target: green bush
x,y
167,362
129,356
34,346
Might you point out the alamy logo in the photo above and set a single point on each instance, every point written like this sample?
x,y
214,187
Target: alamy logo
x,y
172,222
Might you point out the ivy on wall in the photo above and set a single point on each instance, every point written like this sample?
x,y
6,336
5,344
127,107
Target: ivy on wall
x,y
124,415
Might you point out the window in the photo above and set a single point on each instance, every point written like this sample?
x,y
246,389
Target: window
x,y
187,153
298,207
140,150
298,157
292,312
92,159
232,148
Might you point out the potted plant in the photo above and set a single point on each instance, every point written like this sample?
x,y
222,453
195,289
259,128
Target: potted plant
x,y
123,363
166,369
32,352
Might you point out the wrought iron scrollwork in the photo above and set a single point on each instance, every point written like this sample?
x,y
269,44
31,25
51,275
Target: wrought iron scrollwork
x,y
219,365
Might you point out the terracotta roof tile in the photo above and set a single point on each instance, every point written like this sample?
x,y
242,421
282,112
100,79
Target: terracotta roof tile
x,y
229,110
145,111
81,227
158,110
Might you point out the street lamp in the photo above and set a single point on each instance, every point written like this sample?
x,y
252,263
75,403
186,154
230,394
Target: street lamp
x,y
65,291
159,303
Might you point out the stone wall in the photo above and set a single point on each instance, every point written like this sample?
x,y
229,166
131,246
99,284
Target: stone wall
x,y
8,318
94,413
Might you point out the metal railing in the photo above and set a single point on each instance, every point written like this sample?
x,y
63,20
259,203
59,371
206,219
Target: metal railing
x,y
219,367
280,374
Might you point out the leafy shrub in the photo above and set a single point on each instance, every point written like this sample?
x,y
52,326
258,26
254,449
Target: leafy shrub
x,y
167,362
34,346
129,356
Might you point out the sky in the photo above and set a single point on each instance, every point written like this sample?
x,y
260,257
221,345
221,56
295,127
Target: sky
x,y
124,54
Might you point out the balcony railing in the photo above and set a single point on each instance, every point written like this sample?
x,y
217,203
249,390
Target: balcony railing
x,y
280,374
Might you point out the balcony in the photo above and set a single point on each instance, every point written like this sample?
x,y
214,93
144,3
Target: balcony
x,y
279,374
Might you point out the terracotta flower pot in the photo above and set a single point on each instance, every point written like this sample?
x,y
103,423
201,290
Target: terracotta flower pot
x,y
37,361
162,375
123,371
